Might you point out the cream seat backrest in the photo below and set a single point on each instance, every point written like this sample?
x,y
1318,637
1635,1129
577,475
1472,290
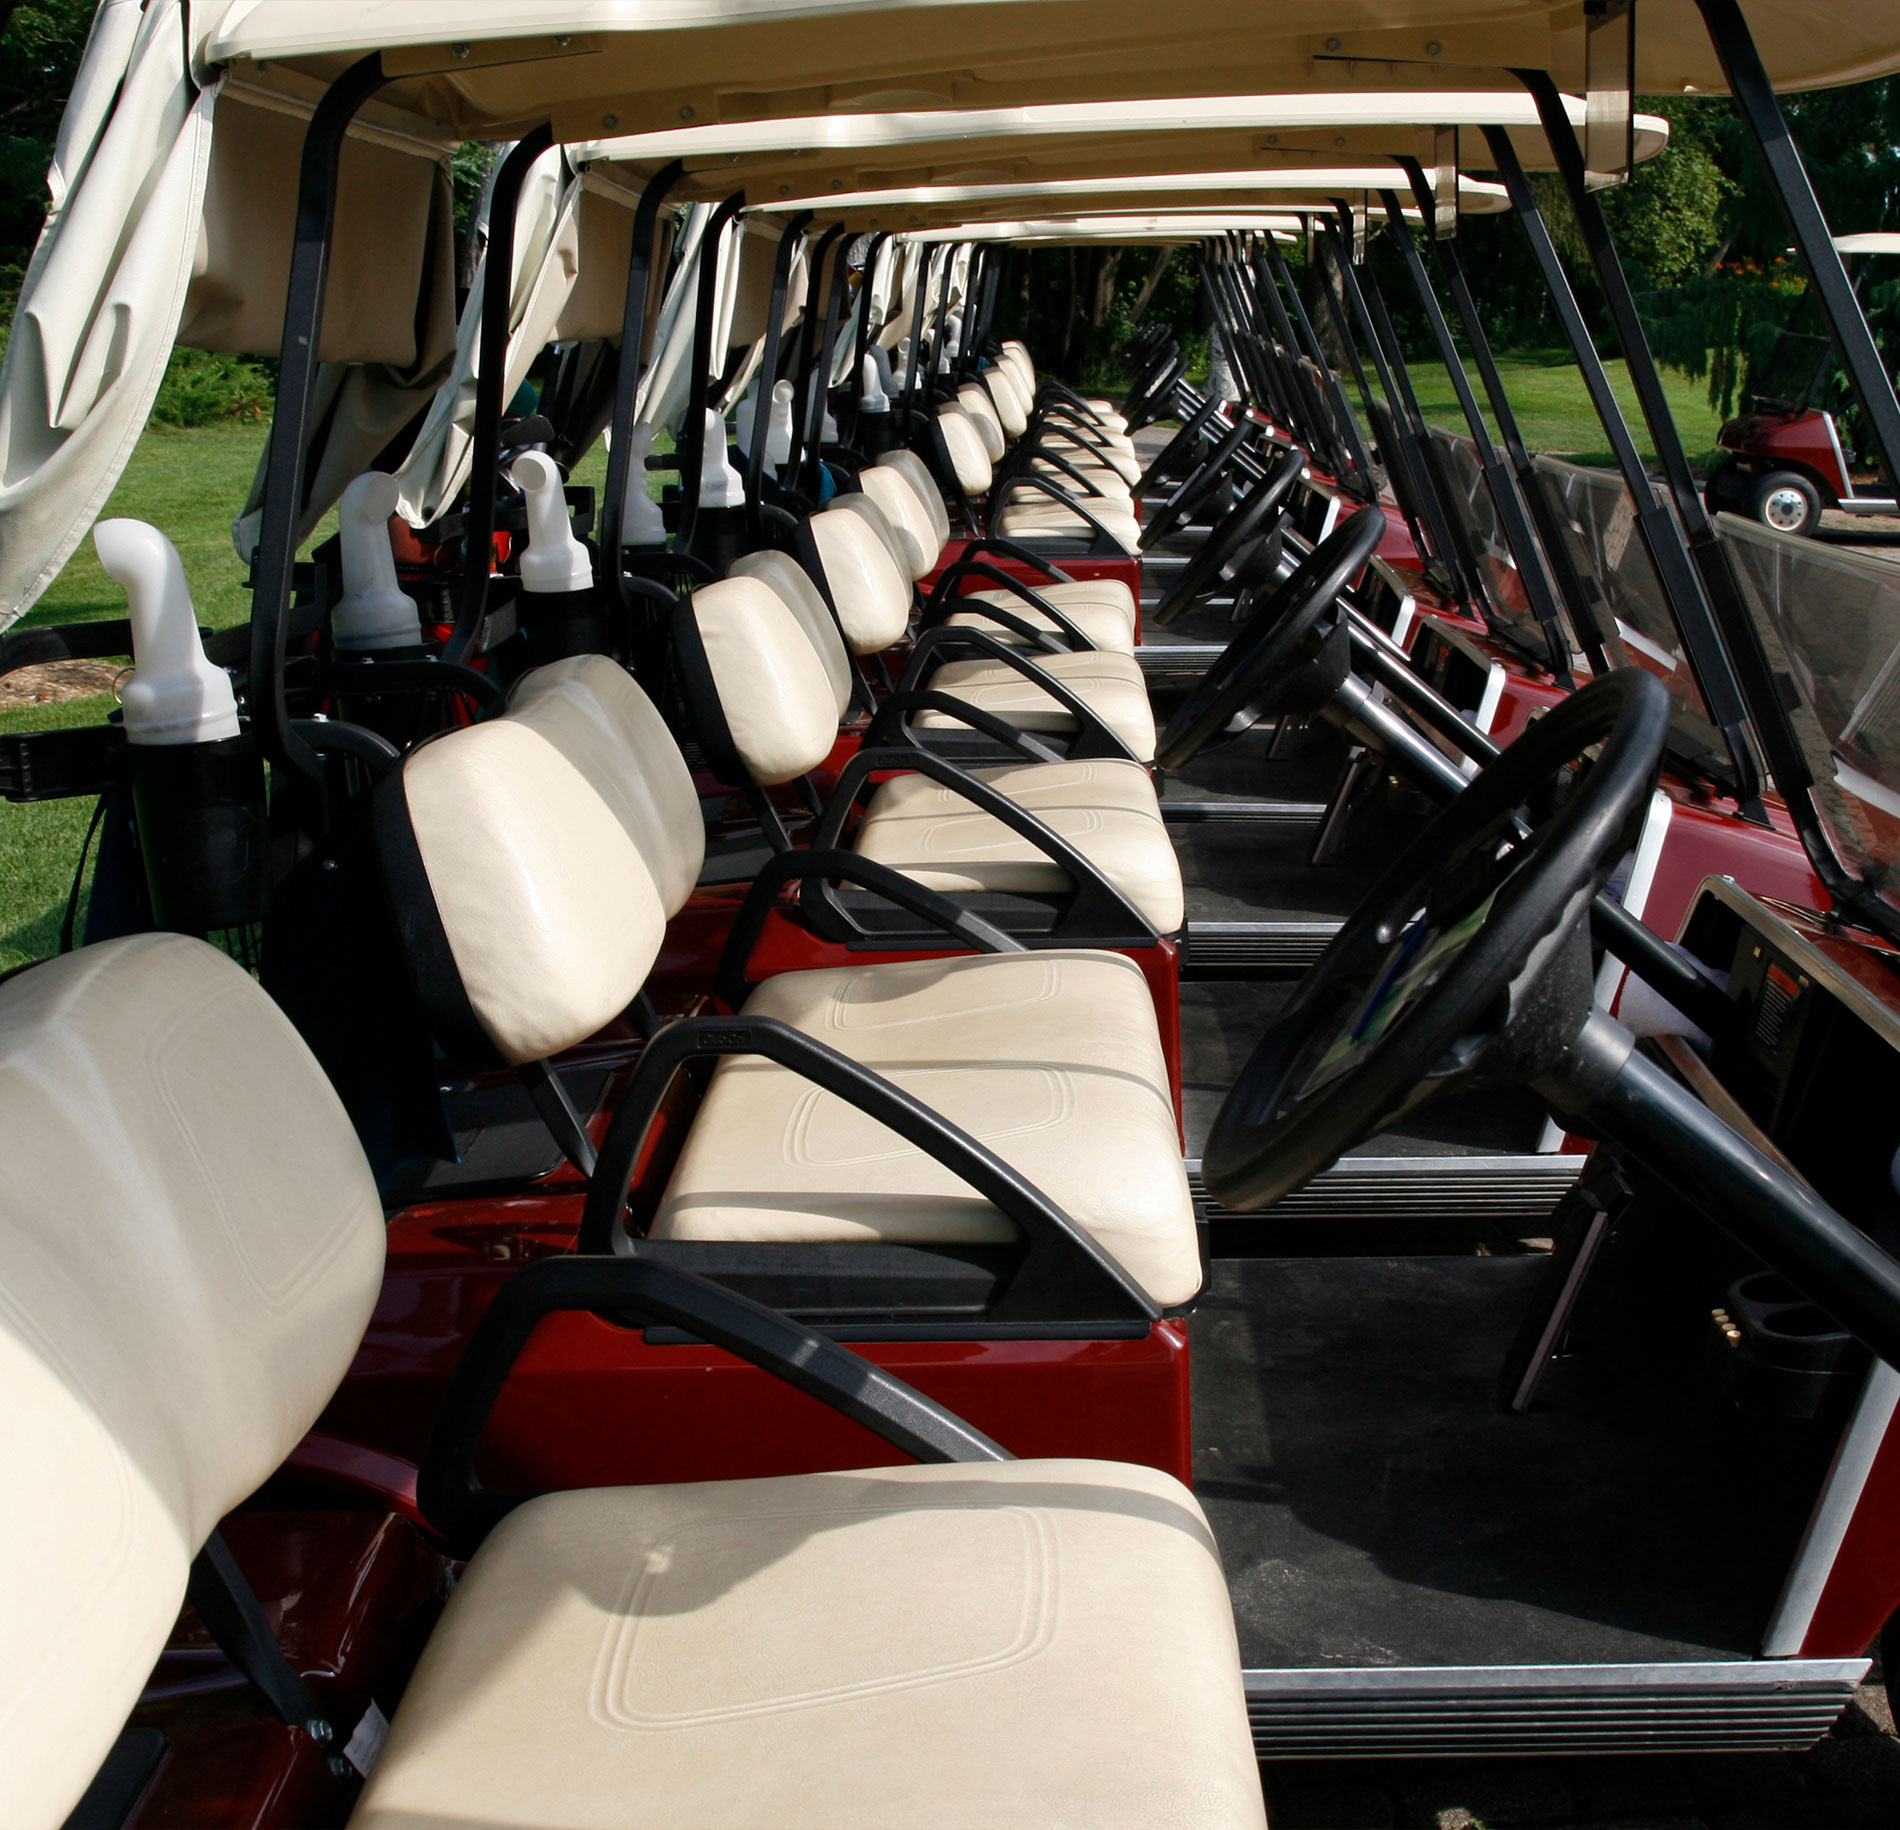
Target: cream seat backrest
x,y
1012,406
871,593
969,457
796,591
190,1248
910,519
881,525
556,841
975,401
780,705
923,485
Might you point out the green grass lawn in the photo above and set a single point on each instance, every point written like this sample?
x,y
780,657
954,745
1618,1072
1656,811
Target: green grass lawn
x,y
1553,409
190,484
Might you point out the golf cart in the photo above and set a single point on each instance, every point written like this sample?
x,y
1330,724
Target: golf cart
x,y
1784,464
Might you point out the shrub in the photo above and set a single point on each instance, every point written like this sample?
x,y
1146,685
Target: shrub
x,y
202,387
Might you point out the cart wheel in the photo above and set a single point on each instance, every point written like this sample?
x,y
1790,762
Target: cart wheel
x,y
1786,501
1726,488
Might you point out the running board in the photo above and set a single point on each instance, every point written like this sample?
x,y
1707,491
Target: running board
x,y
1512,1191
1258,813
1177,657
1432,1711
1226,949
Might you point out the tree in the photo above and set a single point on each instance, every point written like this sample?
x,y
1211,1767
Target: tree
x,y
41,43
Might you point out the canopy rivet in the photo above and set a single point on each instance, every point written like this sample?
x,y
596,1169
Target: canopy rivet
x,y
458,50
686,113
1432,49
1332,44
610,121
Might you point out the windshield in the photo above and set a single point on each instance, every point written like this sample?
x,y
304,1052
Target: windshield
x,y
1594,511
1792,372
1459,464
1830,620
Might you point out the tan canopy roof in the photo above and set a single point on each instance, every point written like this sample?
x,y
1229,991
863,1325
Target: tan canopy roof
x,y
1162,226
816,155
597,67
1202,190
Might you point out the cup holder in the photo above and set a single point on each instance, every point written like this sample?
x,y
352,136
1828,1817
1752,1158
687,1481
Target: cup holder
x,y
1786,1357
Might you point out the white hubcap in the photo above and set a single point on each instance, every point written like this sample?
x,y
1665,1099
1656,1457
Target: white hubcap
x,y
1785,509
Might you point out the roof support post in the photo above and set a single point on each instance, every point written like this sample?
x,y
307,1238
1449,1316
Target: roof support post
x,y
1715,630
284,479
491,373
1497,479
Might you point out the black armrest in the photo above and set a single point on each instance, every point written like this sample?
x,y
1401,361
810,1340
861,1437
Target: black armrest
x,y
1025,456
1100,915
453,1499
1093,737
1011,549
1064,1275
783,867
888,727
1028,480
943,606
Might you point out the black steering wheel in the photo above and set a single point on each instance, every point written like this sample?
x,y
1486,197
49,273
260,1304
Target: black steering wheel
x,y
1262,671
1467,962
1256,514
1199,484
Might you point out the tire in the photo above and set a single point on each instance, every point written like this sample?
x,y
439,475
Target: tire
x,y
1726,488
1786,501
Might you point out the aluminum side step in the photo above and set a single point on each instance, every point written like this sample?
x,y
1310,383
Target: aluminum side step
x,y
1224,949
1256,813
1177,657
1409,1712
1508,1190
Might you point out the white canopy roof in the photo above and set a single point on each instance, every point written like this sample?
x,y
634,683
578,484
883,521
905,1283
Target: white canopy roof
x,y
600,66
1316,185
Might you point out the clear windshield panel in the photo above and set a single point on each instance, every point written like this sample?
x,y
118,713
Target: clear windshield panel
x,y
1472,502
1830,620
1593,510
1792,372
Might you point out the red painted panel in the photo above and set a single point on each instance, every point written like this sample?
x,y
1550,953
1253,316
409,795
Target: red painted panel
x,y
593,1403
1863,1588
352,1596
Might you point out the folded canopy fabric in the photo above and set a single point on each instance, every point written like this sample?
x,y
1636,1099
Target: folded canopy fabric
x,y
104,290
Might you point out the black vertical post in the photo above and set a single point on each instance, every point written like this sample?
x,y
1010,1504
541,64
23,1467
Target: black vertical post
x,y
1353,449
1497,479
1718,625
1761,114
491,370
1405,487
275,566
692,443
822,336
861,346
633,331
1408,425
768,364
1576,600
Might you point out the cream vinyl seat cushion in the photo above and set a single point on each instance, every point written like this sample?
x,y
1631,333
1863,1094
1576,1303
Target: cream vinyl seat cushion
x,y
909,516
1032,516
916,473
1111,685
777,677
1105,807
1102,608
912,1648
191,1245
1052,1059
